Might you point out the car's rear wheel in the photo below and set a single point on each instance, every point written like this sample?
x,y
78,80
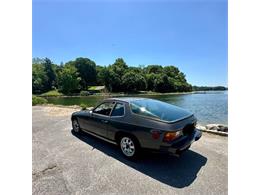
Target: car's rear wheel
x,y
129,146
75,125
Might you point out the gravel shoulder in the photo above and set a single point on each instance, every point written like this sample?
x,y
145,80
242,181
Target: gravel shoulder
x,y
65,163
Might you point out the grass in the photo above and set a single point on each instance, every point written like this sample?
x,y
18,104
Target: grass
x,y
94,87
52,93
36,100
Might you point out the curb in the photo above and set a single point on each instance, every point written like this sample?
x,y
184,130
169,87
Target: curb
x,y
215,132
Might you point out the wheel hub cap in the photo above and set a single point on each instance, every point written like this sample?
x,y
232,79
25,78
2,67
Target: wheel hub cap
x,y
76,125
127,146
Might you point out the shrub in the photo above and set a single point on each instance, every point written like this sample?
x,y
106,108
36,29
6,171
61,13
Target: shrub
x,y
84,93
38,100
83,106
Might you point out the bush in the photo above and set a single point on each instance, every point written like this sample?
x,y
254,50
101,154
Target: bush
x,y
83,106
84,93
38,100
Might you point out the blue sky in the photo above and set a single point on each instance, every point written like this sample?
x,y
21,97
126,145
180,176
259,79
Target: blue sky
x,y
189,34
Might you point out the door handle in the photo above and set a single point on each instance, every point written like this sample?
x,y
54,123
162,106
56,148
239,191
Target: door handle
x,y
104,121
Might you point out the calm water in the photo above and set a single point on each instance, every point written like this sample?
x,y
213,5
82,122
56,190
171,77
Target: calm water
x,y
209,107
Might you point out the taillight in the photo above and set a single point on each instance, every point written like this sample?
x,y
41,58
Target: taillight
x,y
169,136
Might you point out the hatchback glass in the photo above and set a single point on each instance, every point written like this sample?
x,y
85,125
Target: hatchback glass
x,y
157,109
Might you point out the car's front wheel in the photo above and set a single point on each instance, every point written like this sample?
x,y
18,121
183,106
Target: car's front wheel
x,y
75,126
129,147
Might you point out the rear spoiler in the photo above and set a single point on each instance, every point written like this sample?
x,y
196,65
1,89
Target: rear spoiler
x,y
179,120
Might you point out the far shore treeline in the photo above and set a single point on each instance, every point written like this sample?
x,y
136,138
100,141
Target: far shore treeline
x,y
76,76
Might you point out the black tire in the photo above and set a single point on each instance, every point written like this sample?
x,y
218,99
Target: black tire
x,y
129,146
75,126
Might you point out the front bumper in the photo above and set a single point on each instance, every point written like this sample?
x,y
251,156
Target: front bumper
x,y
183,143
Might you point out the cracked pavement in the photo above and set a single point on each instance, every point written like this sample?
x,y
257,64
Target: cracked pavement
x,y
67,163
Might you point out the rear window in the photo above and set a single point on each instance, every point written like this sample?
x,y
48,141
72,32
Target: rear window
x,y
158,110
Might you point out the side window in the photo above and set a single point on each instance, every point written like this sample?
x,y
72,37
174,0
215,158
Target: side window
x,y
119,110
104,108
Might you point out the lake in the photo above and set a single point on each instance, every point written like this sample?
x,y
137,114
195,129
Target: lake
x,y
208,107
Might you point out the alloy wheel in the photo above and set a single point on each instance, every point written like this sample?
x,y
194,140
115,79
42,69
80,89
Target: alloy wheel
x,y
127,146
76,127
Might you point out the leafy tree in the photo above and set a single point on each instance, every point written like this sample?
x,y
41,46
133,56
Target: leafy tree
x,y
113,82
68,80
37,61
101,75
133,82
115,74
172,86
78,74
39,79
119,67
150,78
156,69
161,83
171,71
87,71
136,70
48,68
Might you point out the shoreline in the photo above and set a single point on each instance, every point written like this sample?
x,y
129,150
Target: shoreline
x,y
132,94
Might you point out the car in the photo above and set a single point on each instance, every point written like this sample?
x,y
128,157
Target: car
x,y
137,124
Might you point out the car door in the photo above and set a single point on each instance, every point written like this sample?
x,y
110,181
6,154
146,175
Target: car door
x,y
100,118
116,120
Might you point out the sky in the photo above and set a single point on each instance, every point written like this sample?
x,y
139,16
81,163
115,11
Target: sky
x,y
189,34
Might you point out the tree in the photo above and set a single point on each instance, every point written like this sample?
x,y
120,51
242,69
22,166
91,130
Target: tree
x,y
87,71
118,77
161,83
119,67
113,81
68,80
114,74
39,79
150,78
156,69
101,75
171,71
48,68
105,76
37,61
133,82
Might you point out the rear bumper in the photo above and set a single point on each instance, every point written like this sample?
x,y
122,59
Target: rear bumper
x,y
183,143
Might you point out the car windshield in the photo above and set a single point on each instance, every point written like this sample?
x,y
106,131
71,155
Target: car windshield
x,y
157,109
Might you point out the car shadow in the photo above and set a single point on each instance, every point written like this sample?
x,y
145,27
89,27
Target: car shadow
x,y
177,172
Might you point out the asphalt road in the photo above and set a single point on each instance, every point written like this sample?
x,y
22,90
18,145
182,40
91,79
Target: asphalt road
x,y
65,163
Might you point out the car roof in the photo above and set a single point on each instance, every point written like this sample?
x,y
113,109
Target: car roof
x,y
126,99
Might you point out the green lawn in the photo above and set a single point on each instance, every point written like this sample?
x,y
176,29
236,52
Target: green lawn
x,y
95,87
52,93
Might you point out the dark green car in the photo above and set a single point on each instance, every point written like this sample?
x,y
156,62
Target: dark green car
x,y
139,123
